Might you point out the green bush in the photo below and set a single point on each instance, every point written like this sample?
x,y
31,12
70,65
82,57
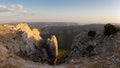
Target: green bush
x,y
110,29
92,33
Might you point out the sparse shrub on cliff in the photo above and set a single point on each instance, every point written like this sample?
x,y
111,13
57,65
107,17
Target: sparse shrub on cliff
x,y
62,53
88,50
110,29
92,33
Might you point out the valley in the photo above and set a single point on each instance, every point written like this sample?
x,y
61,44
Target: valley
x,y
68,46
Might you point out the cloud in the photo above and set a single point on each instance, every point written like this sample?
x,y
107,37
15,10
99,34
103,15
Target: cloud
x,y
15,8
3,8
27,13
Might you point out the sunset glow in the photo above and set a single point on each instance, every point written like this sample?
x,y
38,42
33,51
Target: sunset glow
x,y
81,11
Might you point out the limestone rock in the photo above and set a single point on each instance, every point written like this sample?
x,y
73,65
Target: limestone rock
x,y
21,39
53,45
96,49
52,49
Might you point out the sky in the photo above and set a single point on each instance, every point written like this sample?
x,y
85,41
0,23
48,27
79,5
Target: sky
x,y
80,11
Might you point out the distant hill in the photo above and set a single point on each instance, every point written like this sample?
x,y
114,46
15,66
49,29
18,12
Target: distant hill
x,y
44,24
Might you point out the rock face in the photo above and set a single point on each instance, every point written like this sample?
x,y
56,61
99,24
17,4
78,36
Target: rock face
x,y
21,39
53,49
96,50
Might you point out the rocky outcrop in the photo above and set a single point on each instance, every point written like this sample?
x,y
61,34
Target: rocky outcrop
x,y
21,39
52,49
96,50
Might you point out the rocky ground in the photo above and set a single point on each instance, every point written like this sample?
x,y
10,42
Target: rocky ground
x,y
96,52
20,46
23,47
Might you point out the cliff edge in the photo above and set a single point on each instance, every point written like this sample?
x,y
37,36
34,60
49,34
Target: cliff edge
x,y
20,40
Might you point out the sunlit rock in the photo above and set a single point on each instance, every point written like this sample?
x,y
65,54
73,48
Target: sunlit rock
x,y
20,39
52,50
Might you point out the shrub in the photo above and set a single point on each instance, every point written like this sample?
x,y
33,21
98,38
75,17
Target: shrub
x,y
62,53
88,50
110,29
92,33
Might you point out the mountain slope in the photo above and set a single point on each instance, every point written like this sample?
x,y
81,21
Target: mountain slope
x,y
99,51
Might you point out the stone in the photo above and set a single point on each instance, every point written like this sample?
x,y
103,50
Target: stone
x,y
52,49
21,39
102,47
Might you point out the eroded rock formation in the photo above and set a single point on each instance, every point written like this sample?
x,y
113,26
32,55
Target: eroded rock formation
x,y
53,49
21,39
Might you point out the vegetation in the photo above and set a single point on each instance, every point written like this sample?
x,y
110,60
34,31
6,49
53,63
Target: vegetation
x,y
62,53
88,50
92,33
110,29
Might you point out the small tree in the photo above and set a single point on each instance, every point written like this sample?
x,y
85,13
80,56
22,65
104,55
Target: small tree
x,y
92,33
110,29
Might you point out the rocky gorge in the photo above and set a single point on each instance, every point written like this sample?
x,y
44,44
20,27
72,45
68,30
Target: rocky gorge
x,y
23,47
